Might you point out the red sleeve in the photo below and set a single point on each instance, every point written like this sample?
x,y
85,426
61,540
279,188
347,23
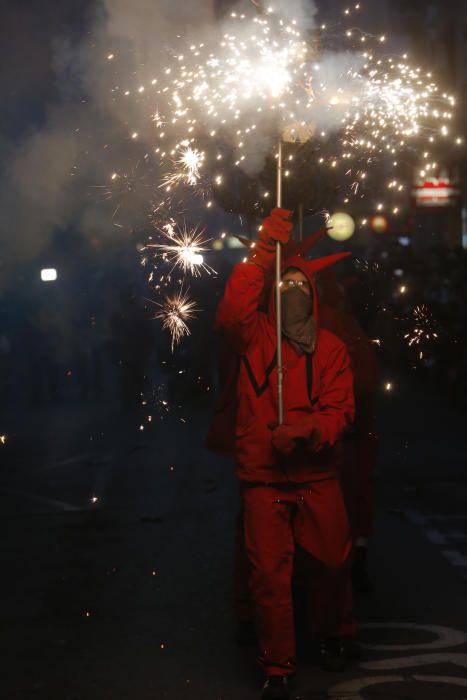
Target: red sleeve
x,y
336,407
237,316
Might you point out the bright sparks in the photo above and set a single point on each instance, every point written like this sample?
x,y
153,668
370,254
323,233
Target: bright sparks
x,y
424,327
184,248
176,311
261,73
218,101
187,168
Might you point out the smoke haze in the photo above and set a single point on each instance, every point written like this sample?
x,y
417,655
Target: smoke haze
x,y
49,179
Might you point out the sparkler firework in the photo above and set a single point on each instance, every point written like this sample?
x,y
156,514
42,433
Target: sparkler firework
x,y
184,248
260,75
188,168
223,102
424,328
175,311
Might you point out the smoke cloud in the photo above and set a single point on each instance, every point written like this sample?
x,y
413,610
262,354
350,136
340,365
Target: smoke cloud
x,y
51,180
46,179
304,11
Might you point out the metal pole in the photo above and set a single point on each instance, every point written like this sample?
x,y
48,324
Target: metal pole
x,y
280,370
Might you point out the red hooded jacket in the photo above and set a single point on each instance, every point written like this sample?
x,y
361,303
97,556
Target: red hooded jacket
x,y
336,315
318,385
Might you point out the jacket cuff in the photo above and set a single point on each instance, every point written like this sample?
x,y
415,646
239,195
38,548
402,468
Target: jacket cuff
x,y
263,255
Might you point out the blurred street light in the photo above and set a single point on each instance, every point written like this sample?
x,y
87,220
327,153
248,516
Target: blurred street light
x,y
49,274
341,226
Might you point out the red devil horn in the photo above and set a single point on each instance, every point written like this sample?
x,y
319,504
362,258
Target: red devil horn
x,y
245,241
321,263
313,266
310,241
302,247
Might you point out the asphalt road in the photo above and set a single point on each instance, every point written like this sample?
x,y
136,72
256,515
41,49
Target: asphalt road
x,y
117,562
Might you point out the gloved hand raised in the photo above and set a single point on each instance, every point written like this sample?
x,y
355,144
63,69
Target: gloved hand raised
x,y
285,438
276,227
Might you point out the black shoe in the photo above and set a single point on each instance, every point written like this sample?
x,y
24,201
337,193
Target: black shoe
x,y
361,581
275,688
352,647
332,656
245,635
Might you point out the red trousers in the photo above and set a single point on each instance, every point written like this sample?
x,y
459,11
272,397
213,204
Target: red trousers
x,y
328,595
275,518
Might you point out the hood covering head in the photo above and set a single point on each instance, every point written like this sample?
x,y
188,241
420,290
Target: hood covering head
x,y
300,313
293,257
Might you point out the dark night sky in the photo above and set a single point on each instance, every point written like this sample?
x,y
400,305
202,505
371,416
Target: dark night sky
x,y
30,35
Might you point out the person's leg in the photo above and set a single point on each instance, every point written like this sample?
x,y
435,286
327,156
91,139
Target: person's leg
x,y
330,614
270,549
330,600
320,524
300,579
322,529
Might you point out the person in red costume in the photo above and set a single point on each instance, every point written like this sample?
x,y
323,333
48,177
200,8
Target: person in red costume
x,y
360,450
288,473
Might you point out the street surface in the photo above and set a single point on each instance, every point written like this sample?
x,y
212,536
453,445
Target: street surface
x,y
117,562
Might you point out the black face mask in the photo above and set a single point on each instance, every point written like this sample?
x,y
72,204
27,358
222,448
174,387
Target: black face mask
x,y
298,324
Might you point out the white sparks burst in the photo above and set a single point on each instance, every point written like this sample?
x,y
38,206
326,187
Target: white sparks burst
x,y
175,312
217,101
184,248
424,328
264,64
187,168
260,72
261,68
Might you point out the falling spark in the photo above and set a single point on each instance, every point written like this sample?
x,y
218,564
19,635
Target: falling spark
x,y
175,311
424,326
